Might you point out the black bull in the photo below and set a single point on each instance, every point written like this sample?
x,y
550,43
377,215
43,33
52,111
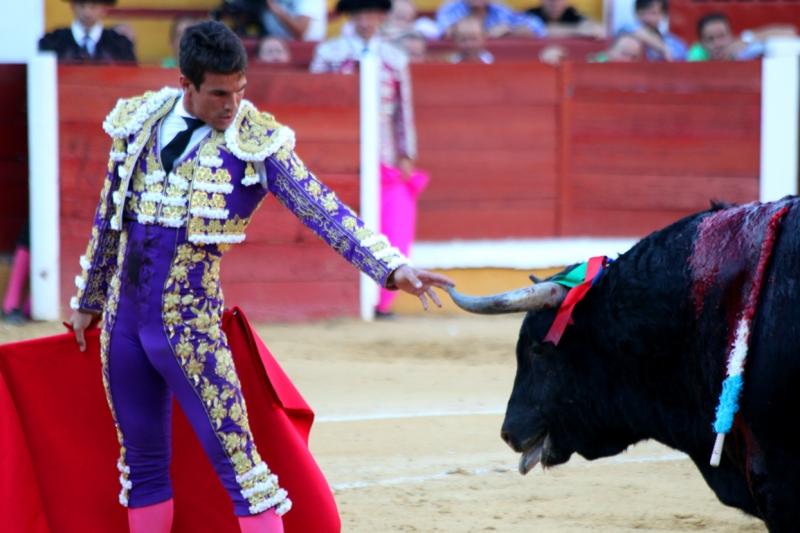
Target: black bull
x,y
646,356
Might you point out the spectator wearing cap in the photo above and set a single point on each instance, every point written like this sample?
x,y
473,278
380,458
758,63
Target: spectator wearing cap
x,y
86,40
649,29
497,19
563,20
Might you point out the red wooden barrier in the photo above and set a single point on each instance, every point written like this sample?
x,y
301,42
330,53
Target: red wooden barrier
x,y
644,145
488,135
13,155
282,271
586,149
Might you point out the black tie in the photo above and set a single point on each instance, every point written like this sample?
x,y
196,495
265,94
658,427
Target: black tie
x,y
85,48
178,144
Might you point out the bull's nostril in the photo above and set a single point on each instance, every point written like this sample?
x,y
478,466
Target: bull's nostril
x,y
506,436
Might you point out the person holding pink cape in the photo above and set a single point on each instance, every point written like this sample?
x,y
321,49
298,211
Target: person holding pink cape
x,y
399,193
401,183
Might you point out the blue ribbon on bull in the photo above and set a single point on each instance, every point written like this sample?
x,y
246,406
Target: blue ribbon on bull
x,y
728,403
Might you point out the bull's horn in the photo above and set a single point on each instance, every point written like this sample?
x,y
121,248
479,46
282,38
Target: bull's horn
x,y
542,296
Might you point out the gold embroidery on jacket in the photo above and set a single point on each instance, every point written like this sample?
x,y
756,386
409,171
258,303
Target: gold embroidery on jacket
x,y
193,317
109,317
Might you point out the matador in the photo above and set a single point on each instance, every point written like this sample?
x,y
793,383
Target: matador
x,y
187,169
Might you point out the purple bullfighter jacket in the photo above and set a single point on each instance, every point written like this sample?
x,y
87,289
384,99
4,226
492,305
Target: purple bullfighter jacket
x,y
213,192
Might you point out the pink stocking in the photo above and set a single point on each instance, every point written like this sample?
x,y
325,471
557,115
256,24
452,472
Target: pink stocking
x,y
267,522
16,280
156,518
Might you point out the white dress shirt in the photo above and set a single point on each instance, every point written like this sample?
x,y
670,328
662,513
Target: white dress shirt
x,y
173,124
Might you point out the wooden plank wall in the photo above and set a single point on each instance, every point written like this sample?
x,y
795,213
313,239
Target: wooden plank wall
x,y
528,150
647,144
488,136
282,271
13,155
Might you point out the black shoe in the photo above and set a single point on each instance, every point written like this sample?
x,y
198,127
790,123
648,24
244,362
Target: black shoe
x,y
383,315
14,318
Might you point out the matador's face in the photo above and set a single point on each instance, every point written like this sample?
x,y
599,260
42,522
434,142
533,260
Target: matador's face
x,y
217,99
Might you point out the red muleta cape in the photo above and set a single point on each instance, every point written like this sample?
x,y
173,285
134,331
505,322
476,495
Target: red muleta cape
x,y
58,447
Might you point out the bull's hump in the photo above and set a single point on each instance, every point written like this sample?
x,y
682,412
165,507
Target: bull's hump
x,y
726,248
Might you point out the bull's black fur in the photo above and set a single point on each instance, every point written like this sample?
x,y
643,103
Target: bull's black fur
x,y
640,362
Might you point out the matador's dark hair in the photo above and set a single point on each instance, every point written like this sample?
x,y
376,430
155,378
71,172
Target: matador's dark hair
x,y
210,47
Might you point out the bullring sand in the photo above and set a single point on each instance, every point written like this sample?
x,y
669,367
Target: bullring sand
x,y
407,432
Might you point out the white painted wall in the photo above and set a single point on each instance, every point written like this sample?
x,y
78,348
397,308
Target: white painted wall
x,y
43,186
780,94
21,26
370,169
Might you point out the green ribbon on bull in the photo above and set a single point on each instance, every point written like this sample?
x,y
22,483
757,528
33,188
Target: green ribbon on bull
x,y
572,277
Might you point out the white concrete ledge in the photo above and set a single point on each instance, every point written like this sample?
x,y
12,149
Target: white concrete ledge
x,y
516,253
780,85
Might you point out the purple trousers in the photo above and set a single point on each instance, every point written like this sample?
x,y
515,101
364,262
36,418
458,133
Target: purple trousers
x,y
163,338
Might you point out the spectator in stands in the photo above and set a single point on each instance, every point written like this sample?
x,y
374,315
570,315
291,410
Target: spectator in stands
x,y
414,45
273,50
553,54
470,43
397,141
625,48
497,19
341,54
661,45
718,42
400,19
86,41
176,31
302,20
563,20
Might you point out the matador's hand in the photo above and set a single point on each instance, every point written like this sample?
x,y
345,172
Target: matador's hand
x,y
79,322
420,283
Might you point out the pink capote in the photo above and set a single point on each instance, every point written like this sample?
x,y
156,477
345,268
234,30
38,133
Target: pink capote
x,y
399,215
58,449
